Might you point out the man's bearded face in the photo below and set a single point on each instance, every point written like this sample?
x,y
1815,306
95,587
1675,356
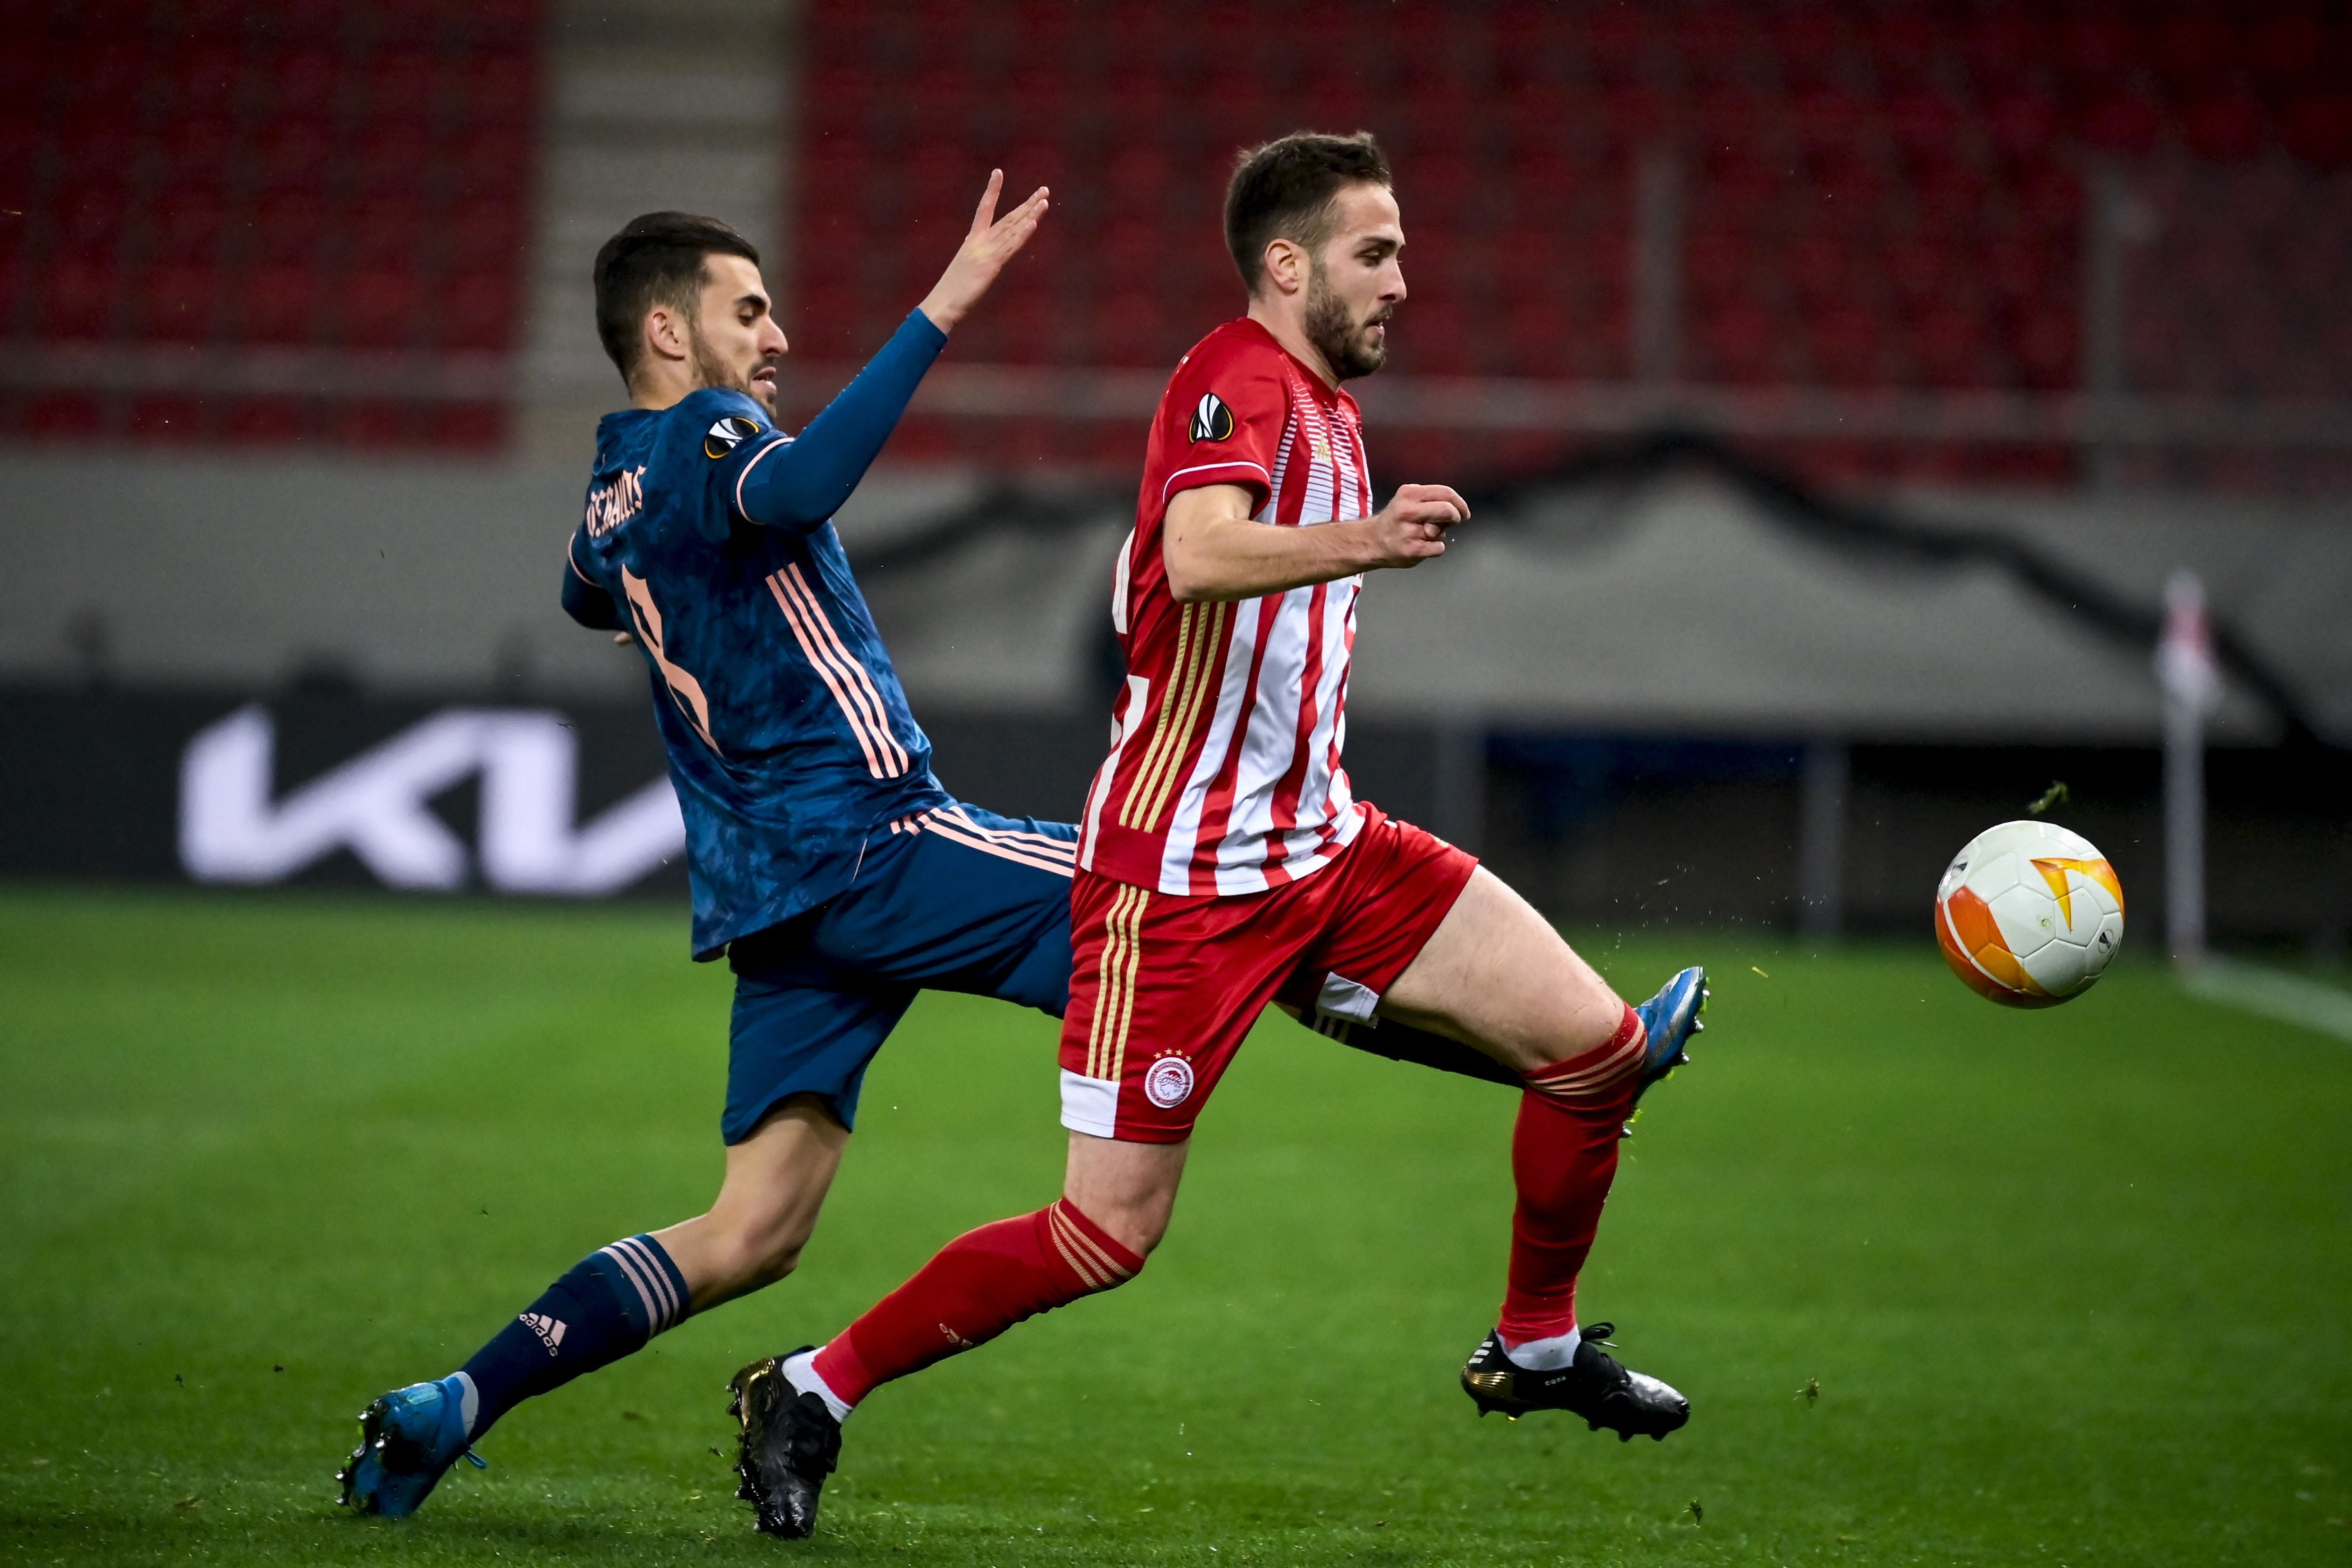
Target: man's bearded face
x,y
1352,345
709,370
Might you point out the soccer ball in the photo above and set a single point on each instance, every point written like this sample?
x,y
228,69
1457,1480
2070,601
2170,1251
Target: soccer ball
x,y
2029,914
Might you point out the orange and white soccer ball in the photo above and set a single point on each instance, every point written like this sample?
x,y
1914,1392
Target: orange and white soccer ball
x,y
2029,914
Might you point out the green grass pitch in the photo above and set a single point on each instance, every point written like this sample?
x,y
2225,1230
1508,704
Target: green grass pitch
x,y
2072,1287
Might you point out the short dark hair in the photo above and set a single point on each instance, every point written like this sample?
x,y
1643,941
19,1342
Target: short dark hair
x,y
656,259
1288,189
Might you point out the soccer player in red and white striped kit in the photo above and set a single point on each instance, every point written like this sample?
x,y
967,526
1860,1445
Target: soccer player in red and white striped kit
x,y
1224,863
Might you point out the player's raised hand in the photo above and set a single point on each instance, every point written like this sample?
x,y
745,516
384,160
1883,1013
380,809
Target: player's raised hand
x,y
993,242
1412,527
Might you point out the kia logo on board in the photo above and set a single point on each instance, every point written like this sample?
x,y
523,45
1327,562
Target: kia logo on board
x,y
375,806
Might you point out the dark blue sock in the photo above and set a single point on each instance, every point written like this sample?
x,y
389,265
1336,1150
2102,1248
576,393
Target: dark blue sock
x,y
608,1306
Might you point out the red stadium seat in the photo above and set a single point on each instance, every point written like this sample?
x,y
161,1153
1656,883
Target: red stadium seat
x,y
101,148
394,155
2046,344
384,229
501,88
1831,118
109,73
462,426
1434,336
198,154
286,224
1924,120
1737,342
172,419
490,159
277,303
186,172
1850,345
179,301
292,154
1538,333
1814,46
1132,328
1922,271
205,80
2121,121
2023,122
2017,267
22,135
1824,267
2095,44
65,415
476,312
2319,127
1904,42
2049,197
301,82
401,85
484,231
311,20
95,217
1949,342
372,422
508,25
26,70
2194,46
1951,196
1717,263
80,298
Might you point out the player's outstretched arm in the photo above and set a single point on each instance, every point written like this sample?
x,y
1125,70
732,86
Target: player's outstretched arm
x,y
1213,549
799,485
991,243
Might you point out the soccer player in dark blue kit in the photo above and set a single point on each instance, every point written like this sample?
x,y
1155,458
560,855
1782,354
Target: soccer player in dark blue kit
x,y
827,863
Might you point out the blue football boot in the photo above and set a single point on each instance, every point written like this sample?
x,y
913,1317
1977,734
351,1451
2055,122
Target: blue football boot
x,y
1670,1018
408,1440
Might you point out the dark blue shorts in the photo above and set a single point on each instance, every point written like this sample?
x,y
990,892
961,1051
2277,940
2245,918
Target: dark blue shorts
x,y
956,898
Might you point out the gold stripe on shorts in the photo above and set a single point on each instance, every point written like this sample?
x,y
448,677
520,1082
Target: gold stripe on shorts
x,y
1115,983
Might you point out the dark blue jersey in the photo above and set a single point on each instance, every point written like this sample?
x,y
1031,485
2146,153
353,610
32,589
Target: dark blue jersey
x,y
707,535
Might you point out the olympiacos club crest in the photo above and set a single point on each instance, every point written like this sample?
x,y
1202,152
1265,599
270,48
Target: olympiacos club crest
x,y
1169,1082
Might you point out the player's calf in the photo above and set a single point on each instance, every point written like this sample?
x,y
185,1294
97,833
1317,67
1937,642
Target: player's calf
x,y
606,1307
791,1407
1563,1161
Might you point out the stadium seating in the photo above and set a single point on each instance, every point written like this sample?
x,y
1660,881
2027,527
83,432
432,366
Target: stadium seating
x,y
1874,197
263,175
1874,194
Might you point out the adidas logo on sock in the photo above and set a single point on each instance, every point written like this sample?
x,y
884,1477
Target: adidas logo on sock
x,y
550,1330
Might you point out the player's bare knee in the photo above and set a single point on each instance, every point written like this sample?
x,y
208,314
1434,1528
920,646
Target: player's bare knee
x,y
1127,1189
767,1267
752,1251
1139,1230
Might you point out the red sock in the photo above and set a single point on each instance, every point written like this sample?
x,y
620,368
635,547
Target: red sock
x,y
1563,1157
975,1287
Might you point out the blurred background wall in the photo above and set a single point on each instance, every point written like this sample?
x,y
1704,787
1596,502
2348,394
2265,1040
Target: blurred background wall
x,y
1840,383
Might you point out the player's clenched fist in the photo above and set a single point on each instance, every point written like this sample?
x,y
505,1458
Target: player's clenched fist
x,y
1412,527
991,242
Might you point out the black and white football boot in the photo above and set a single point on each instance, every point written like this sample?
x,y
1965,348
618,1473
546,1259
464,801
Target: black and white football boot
x,y
790,1444
1630,1404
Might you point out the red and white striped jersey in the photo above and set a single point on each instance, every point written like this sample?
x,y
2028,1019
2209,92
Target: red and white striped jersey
x,y
1224,775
